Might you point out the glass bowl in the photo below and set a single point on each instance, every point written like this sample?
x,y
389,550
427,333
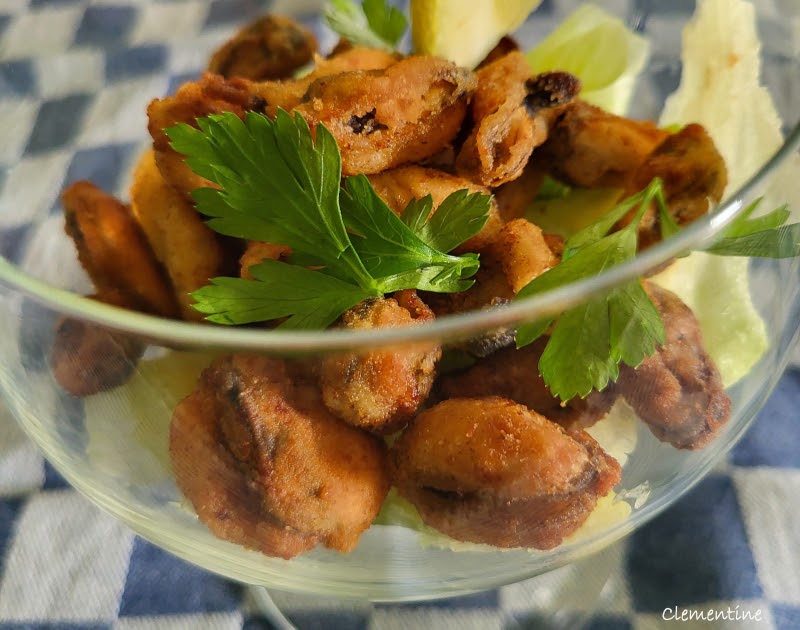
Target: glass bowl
x,y
76,80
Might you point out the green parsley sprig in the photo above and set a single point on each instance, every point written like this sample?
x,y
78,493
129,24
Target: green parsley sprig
x,y
623,326
374,23
766,236
587,343
278,183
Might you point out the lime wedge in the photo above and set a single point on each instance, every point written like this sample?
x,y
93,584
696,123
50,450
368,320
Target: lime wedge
x,y
600,50
465,32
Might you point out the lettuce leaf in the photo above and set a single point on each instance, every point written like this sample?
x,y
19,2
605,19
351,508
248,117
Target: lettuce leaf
x,y
721,89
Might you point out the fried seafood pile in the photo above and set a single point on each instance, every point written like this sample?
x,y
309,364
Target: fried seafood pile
x,y
283,455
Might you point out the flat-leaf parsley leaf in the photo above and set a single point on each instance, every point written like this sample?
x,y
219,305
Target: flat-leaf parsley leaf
x,y
765,236
278,183
375,23
587,343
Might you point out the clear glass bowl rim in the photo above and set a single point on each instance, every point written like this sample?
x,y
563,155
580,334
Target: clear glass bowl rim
x,y
188,334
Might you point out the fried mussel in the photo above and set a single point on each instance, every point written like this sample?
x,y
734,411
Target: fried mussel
x,y
489,470
265,464
283,455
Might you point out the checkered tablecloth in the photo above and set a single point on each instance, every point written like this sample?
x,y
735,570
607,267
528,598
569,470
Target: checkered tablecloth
x,y
77,76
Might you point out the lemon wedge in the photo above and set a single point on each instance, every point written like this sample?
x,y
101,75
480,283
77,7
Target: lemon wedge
x,y
465,32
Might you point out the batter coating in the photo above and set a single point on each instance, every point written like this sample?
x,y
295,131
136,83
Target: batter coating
x,y
270,47
287,475
381,390
678,391
488,470
514,374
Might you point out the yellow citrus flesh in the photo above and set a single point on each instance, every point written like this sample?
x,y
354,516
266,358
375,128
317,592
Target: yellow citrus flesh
x,y
464,32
